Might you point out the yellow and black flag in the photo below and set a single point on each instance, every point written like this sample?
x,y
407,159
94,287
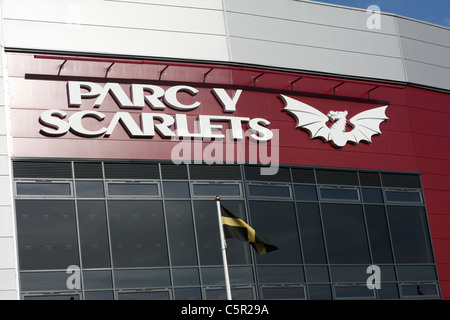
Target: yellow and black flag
x,y
233,227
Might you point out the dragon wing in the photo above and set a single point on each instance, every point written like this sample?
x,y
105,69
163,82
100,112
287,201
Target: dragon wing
x,y
366,124
308,118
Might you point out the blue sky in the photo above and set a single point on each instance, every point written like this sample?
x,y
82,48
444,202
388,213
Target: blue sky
x,y
433,11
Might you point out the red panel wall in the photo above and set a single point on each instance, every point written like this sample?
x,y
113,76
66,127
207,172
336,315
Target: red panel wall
x,y
430,116
414,139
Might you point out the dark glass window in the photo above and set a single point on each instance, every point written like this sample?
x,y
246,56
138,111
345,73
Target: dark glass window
x,y
405,221
349,273
216,189
337,177
142,278
93,234
43,281
214,172
311,233
188,293
172,171
99,295
403,196
353,291
145,295
90,189
47,234
339,194
186,277
241,275
37,169
388,273
238,275
176,189
400,180
378,234
43,189
141,230
57,296
207,227
416,273
254,173
138,236
236,293
181,233
304,192
276,222
88,170
345,233
419,290
320,292
283,293
213,276
303,175
279,274
388,291
369,179
317,274
97,279
131,171
372,195
243,294
133,189
269,191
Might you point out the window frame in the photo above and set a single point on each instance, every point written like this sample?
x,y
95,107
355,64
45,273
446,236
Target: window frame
x,y
336,187
262,184
243,186
195,196
402,190
133,196
44,181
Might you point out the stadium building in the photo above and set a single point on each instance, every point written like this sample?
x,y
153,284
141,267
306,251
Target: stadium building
x,y
321,126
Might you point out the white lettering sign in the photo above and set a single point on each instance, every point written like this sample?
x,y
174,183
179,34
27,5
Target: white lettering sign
x,y
57,123
228,103
207,126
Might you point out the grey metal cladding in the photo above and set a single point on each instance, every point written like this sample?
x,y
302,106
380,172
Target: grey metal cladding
x,y
422,31
426,53
427,75
333,39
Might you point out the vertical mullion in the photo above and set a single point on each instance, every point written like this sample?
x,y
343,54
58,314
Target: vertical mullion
x,y
111,259
77,225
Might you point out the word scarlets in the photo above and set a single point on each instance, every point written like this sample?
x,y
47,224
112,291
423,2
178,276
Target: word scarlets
x,y
92,123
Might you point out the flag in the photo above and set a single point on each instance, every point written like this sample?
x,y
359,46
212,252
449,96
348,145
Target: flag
x,y
233,227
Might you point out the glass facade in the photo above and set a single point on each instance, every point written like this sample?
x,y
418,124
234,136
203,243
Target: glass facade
x,y
147,230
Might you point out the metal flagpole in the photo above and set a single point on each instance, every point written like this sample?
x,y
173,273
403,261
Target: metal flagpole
x,y
223,246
